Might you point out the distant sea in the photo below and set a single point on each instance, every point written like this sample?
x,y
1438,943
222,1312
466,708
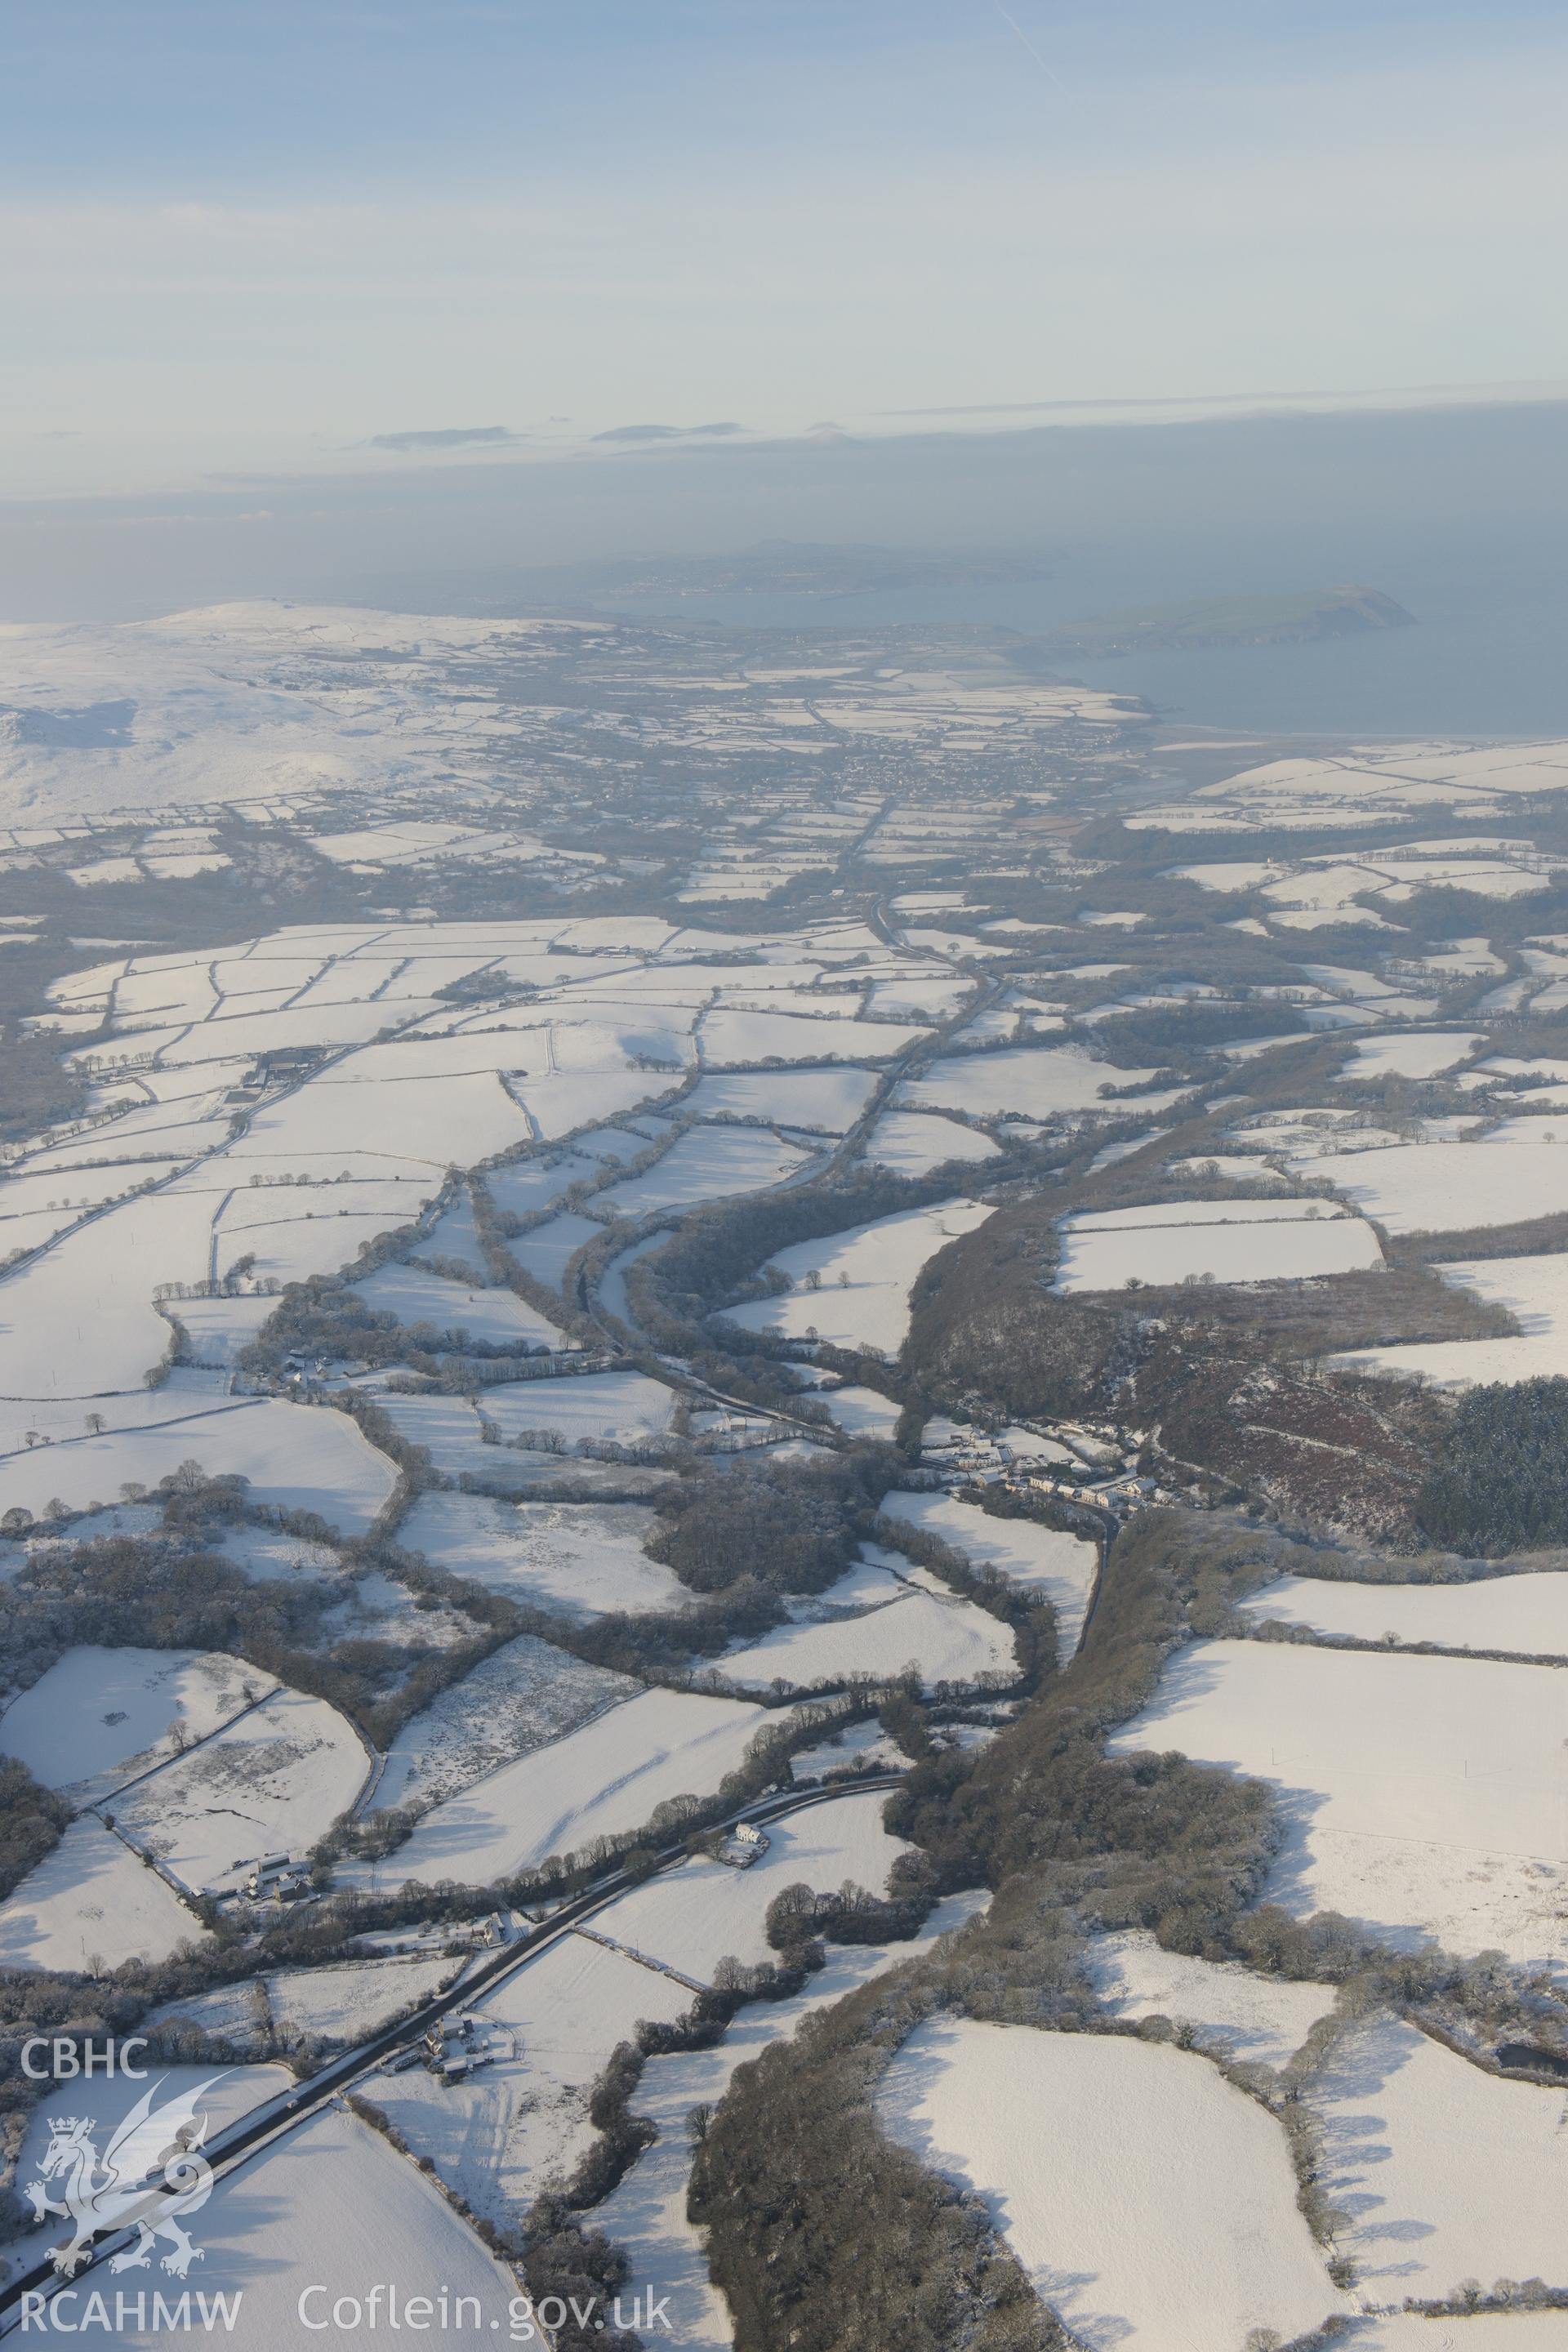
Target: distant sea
x,y
1488,655
1459,514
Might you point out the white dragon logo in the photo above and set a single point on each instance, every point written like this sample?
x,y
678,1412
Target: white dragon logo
x,y
150,2176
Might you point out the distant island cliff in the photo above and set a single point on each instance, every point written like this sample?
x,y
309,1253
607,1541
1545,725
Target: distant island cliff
x,y
1308,616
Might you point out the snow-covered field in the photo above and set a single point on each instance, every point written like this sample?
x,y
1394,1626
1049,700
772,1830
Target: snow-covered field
x,y
271,1784
1376,786
858,1744
863,1412
945,1639
349,2002
1447,2172
825,1101
136,1519
334,2205
218,1331
1151,2202
708,1164
1263,2019
690,1919
415,1296
914,1143
1025,1082
1061,1566
1411,1053
545,1251
1483,2331
581,1560
262,1553
645,2215
1230,1167
1412,1188
92,1903
1216,1241
497,2137
525,1187
346,2002
1527,1614
517,1699
614,1298
78,1320
739,1038
626,1408
285,1172
864,1278
101,1718
453,1238
214,717
105,2102
452,1430
1427,1797
296,1458
1533,1289
600,1782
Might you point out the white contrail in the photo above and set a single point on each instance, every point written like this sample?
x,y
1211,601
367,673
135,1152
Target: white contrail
x,y
1044,64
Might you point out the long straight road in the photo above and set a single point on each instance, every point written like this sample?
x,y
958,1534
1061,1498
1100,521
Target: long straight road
x,y
283,2114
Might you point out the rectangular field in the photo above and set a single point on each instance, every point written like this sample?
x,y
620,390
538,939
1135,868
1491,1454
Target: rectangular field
x,y
1157,2210
1425,1796
600,1782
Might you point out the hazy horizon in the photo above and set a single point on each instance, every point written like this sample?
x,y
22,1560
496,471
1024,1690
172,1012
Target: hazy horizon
x,y
1114,515
294,243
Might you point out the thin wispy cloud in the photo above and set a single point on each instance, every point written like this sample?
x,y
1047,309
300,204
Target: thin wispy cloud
x,y
668,432
1044,63
449,436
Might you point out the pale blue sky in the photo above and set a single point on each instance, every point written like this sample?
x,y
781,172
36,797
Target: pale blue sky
x,y
239,238
191,98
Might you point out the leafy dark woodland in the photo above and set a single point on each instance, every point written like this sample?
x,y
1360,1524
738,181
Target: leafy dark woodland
x,y
32,1821
1502,1482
